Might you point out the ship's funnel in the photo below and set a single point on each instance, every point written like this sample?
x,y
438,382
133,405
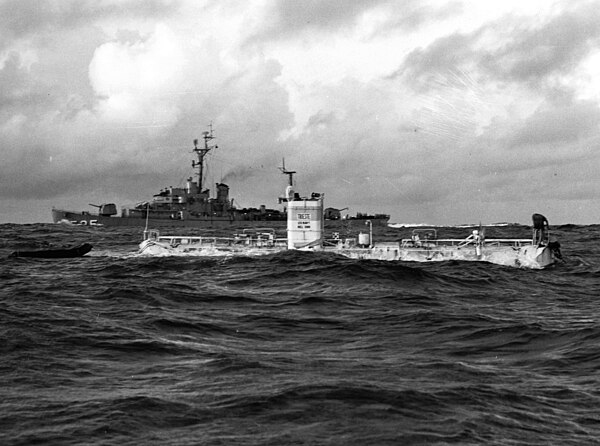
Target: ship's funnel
x,y
222,193
305,222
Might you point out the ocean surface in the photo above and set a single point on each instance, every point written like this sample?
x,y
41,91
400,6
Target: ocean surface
x,y
295,348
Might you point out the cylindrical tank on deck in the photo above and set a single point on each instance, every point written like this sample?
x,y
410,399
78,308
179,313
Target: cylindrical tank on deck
x,y
305,222
364,239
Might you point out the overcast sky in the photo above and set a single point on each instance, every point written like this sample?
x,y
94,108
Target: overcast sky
x,y
440,112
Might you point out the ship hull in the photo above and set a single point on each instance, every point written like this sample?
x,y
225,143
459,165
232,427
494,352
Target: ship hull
x,y
85,218
88,219
531,256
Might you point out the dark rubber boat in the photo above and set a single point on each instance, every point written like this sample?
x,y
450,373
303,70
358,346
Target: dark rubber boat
x,y
56,253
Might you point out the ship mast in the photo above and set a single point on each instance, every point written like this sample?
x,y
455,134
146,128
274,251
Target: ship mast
x,y
202,152
289,173
288,191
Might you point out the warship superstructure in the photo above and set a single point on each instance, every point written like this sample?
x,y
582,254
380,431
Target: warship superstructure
x,y
193,206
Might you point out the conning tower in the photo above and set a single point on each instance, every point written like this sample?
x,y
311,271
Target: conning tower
x,y
305,221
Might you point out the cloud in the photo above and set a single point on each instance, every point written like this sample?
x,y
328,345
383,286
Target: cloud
x,y
433,111
13,79
553,126
134,81
289,17
29,18
509,49
533,54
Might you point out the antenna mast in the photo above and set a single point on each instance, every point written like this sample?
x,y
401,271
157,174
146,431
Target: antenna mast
x,y
289,173
202,152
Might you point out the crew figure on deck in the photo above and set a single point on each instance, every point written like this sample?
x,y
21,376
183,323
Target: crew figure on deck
x,y
540,228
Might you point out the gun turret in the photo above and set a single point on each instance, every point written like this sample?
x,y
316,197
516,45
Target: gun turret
x,y
105,209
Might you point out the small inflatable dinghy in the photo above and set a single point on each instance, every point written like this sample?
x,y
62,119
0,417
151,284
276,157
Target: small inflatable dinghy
x,y
55,253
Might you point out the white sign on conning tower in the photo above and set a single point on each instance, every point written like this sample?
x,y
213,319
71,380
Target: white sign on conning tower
x,y
305,222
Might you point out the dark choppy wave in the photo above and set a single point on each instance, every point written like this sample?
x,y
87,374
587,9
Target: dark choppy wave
x,y
295,348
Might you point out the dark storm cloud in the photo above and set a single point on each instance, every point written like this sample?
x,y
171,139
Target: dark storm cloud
x,y
554,125
28,180
20,18
39,178
422,65
57,82
410,15
559,45
13,82
60,67
290,16
522,52
320,119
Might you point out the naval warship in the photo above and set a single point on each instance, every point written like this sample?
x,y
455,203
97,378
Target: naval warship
x,y
193,206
